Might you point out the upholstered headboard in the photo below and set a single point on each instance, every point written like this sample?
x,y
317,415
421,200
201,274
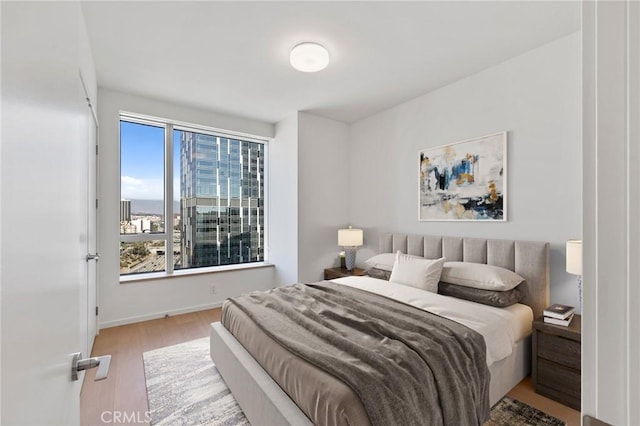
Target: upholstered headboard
x,y
529,259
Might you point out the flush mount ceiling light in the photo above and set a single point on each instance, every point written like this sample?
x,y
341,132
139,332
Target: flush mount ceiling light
x,y
309,57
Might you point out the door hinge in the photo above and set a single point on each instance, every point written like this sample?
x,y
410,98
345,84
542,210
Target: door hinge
x,y
96,311
96,149
96,203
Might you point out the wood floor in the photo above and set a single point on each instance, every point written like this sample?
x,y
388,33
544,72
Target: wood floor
x,y
122,397
123,392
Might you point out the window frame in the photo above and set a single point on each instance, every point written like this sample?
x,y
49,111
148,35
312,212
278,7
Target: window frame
x,y
167,234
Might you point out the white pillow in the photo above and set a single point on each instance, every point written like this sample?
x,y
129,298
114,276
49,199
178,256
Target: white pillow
x,y
385,261
417,272
382,261
479,275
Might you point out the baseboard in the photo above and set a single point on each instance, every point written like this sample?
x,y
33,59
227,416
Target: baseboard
x,y
140,318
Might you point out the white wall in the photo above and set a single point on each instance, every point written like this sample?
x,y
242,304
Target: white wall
x,y
323,193
87,67
1,137
308,196
283,201
536,97
139,300
611,320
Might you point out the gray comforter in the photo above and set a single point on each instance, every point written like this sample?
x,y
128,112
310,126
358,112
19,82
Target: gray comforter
x,y
406,365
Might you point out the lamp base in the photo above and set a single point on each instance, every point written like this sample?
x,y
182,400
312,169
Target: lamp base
x,y
580,290
350,258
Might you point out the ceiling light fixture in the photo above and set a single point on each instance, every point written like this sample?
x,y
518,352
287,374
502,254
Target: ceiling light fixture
x,y
309,57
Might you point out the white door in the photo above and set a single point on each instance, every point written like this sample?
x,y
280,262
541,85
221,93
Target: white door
x,y
43,170
89,122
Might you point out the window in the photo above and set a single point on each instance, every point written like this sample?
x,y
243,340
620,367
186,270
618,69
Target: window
x,y
215,182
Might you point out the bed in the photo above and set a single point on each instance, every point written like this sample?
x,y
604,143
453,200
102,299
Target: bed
x,y
263,400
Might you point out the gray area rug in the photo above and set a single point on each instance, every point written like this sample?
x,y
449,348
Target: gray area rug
x,y
513,412
184,388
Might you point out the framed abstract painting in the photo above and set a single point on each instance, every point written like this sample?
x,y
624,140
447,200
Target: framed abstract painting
x,y
465,181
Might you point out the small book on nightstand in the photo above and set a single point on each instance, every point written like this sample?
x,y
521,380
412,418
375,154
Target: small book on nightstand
x,y
557,321
559,311
559,314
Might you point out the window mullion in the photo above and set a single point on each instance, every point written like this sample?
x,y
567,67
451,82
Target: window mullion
x,y
168,190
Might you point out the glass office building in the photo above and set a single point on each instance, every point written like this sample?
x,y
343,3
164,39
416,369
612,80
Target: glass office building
x,y
221,200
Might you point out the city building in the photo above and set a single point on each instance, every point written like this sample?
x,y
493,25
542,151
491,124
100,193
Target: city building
x,y
221,200
125,210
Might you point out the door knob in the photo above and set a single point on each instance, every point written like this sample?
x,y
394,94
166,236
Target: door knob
x,y
94,256
78,364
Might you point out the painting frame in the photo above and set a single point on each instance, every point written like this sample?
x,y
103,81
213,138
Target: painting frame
x,y
464,181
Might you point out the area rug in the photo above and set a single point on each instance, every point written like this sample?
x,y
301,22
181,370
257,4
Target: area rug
x,y
513,412
184,388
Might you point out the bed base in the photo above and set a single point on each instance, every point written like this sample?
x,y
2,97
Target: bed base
x,y
507,373
260,397
265,403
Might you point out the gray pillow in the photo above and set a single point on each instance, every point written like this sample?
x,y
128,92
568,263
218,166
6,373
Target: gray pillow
x,y
480,275
499,299
379,273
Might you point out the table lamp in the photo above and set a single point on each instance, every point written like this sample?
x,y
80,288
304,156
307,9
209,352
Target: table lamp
x,y
350,239
574,262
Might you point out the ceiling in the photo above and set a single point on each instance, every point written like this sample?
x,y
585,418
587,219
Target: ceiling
x,y
232,57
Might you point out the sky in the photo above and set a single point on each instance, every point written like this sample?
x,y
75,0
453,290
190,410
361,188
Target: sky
x,y
142,162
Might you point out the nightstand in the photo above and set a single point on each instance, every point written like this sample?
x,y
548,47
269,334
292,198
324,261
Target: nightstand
x,y
333,273
556,361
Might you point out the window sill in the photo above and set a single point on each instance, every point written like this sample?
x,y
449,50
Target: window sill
x,y
196,271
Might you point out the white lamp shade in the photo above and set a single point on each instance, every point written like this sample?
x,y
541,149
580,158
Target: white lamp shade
x,y
309,57
350,237
574,257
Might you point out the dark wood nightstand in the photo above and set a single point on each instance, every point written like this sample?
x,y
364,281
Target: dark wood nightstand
x,y
332,273
556,361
